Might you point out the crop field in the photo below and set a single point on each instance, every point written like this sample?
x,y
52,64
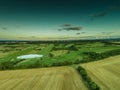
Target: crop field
x,y
106,73
55,78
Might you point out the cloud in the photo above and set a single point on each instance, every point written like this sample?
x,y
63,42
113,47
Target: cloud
x,y
114,8
66,25
27,37
78,33
100,14
105,12
69,27
4,28
83,32
73,28
107,33
59,29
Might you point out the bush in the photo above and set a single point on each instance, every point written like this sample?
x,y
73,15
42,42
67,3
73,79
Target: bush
x,y
77,61
51,55
93,56
90,84
94,86
6,65
61,63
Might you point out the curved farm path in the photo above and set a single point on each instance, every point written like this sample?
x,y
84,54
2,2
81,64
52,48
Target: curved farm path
x,y
106,73
55,78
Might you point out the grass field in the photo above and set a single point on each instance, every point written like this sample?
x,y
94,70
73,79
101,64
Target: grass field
x,y
53,54
55,78
106,73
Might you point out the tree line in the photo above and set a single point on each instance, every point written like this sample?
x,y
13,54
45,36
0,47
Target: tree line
x,y
87,80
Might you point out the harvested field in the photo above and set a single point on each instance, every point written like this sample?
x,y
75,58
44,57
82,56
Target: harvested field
x,y
55,78
106,73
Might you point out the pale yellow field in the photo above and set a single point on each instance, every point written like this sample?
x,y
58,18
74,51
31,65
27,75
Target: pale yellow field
x,y
6,53
115,42
59,52
55,78
106,73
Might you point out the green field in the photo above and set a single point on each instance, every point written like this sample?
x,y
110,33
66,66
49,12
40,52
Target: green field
x,y
54,54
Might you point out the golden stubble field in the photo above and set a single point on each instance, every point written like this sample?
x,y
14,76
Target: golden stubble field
x,y
106,73
55,78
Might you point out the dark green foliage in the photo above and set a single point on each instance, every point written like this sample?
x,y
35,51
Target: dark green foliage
x,y
31,64
73,48
62,63
5,65
77,61
51,55
88,81
93,86
93,56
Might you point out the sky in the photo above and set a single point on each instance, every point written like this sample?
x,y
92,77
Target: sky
x,y
45,19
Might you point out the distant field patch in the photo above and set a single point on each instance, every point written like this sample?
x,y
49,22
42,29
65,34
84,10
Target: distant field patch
x,y
59,52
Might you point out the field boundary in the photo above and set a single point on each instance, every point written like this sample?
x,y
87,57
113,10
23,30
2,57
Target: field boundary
x,y
87,80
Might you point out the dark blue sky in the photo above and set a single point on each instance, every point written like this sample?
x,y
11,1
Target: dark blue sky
x,y
28,19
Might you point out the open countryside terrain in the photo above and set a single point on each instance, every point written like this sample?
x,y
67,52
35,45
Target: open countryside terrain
x,y
106,73
54,54
55,78
68,55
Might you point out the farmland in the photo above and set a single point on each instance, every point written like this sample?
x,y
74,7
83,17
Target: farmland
x,y
59,78
44,74
105,73
54,54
